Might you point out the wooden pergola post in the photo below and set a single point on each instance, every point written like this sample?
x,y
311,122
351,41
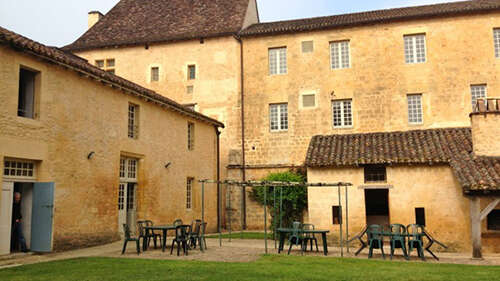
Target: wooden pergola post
x,y
476,217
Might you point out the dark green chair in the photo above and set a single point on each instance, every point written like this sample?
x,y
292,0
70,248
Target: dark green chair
x,y
309,237
431,242
128,237
415,239
181,238
152,234
359,237
177,222
398,238
296,237
194,235
375,239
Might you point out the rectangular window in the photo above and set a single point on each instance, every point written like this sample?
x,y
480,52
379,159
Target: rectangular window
x,y
191,72
309,100
133,121
277,61
375,173
26,97
415,111
414,48
189,193
339,52
336,215
307,46
189,89
496,41
190,136
155,74
493,220
99,63
130,196
128,169
121,195
107,65
420,216
278,117
477,92
110,63
342,113
19,169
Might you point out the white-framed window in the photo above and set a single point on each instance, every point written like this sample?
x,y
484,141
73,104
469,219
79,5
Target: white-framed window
x,y
415,110
121,195
277,61
308,100
107,65
128,169
496,41
133,121
342,113
278,117
415,50
155,74
23,169
190,135
191,72
190,89
339,54
307,46
477,92
189,193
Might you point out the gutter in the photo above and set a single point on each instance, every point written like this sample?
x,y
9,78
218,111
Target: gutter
x,y
217,132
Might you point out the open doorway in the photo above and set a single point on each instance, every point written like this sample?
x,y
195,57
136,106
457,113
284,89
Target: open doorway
x,y
25,189
377,206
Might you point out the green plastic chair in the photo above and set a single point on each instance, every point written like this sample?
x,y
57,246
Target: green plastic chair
x,y
194,235
415,239
375,239
152,233
296,237
398,238
181,238
128,237
309,237
177,222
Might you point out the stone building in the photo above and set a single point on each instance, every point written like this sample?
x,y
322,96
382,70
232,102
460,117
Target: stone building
x,y
89,150
404,69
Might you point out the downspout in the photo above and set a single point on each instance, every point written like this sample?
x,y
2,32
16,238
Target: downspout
x,y
217,132
243,164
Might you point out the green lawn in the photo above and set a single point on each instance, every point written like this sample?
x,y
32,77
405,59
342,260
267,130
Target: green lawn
x,y
246,235
270,267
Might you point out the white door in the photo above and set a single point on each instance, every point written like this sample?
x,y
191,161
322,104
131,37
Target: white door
x,y
122,207
131,206
6,217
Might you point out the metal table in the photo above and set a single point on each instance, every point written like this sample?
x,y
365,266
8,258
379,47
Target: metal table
x,y
164,229
283,231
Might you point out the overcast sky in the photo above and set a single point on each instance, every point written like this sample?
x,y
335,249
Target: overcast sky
x,y
60,22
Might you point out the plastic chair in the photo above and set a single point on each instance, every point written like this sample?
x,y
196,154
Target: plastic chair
x,y
181,238
152,234
375,239
296,237
177,222
142,233
359,236
415,234
129,237
194,235
431,242
309,237
398,238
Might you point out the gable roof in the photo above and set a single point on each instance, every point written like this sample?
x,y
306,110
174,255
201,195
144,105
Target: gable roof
x,y
133,22
452,146
372,17
70,61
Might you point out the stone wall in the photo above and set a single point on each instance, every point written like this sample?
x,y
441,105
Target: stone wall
x,y
486,133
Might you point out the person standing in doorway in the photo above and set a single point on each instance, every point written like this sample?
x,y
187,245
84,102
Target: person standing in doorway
x,y
17,231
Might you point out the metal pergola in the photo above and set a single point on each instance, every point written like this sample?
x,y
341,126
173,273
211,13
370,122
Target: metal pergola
x,y
274,184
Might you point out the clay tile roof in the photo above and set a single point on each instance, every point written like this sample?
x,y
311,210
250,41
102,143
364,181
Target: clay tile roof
x,y
70,61
451,146
133,22
372,17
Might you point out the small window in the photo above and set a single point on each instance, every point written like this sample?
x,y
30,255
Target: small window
x,y
336,215
278,117
340,57
99,63
19,169
191,72
277,61
307,46
414,48
133,121
493,220
190,136
189,89
342,113
155,74
496,41
375,173
477,92
26,98
309,100
128,169
110,63
107,65
130,197
415,111
420,216
189,193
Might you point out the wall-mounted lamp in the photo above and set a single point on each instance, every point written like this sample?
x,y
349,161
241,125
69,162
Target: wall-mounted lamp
x,y
91,154
332,93
168,164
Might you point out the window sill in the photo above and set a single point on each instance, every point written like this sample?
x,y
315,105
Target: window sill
x,y
279,132
415,124
491,234
29,121
375,186
343,128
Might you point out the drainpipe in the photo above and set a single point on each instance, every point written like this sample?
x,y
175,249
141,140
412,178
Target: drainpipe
x,y
217,132
243,169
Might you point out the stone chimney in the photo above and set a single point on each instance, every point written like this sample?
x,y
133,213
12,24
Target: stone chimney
x,y
94,17
485,122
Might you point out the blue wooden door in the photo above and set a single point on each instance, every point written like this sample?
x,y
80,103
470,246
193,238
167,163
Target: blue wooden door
x,y
42,216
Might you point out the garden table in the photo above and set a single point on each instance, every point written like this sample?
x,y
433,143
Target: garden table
x,y
164,229
283,231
